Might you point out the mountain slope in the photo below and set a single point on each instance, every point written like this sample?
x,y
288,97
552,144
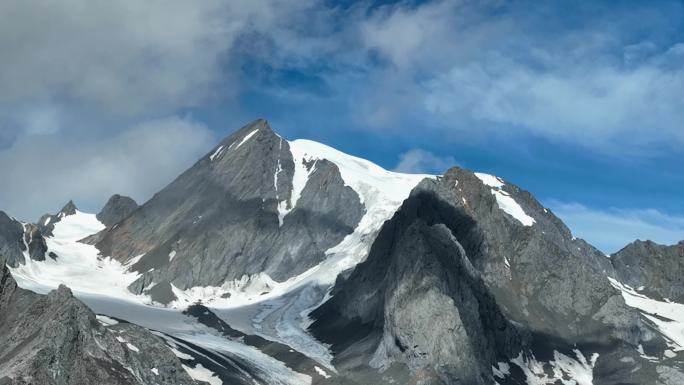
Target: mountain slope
x,y
56,339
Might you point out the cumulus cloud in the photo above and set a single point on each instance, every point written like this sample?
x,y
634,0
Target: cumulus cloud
x,y
612,229
417,161
46,171
404,34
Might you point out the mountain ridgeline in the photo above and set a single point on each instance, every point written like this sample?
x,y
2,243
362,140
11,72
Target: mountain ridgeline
x,y
465,280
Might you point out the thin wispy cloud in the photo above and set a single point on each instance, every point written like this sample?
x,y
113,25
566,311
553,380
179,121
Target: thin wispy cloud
x,y
611,229
417,161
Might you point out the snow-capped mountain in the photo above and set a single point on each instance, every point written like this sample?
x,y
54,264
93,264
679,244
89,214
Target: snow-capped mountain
x,y
288,262
257,204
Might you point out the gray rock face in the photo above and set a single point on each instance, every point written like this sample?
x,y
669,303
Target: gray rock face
x,y
35,241
658,268
15,238
11,244
117,208
451,273
219,220
56,339
540,275
424,304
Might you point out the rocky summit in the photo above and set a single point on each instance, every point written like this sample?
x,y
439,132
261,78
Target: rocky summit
x,y
287,262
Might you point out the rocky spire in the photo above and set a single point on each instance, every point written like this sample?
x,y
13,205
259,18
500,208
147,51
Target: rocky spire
x,y
118,207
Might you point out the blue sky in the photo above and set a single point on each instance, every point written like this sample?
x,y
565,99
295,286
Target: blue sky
x,y
581,103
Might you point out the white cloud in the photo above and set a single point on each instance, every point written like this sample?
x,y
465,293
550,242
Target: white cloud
x,y
417,161
405,34
46,171
612,229
591,106
485,68
123,57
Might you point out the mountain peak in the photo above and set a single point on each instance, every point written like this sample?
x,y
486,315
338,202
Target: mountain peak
x,y
250,128
649,264
68,209
118,207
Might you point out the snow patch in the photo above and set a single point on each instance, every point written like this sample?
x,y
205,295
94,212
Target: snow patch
x,y
563,369
216,153
201,373
279,169
504,199
490,180
321,372
501,370
246,138
172,254
181,355
132,347
511,207
667,317
299,179
106,320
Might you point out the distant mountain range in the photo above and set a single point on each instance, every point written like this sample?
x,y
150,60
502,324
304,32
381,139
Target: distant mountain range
x,y
288,262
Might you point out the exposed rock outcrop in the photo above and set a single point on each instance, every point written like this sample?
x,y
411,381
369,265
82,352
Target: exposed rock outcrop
x,y
18,240
117,208
658,269
56,340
